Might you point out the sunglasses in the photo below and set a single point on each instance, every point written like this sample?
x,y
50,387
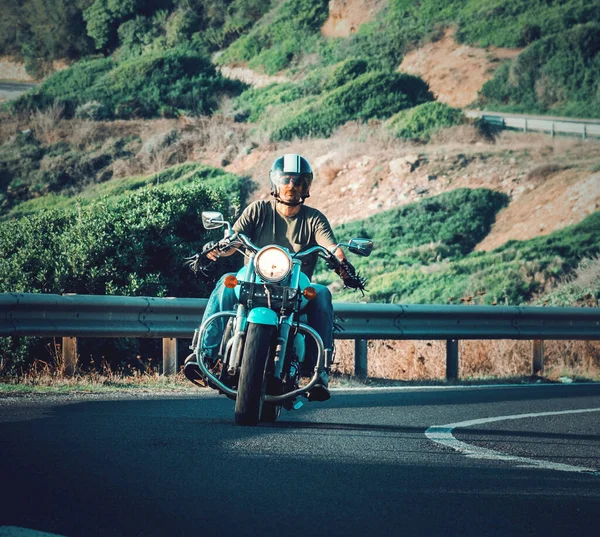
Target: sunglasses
x,y
296,180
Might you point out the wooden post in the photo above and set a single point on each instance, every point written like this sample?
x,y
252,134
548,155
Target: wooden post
x,y
360,358
452,359
169,356
69,355
584,131
537,364
525,129
552,130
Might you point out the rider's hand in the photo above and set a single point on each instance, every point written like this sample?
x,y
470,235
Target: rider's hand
x,y
347,273
211,250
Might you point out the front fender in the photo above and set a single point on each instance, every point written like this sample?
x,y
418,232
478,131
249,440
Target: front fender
x,y
263,316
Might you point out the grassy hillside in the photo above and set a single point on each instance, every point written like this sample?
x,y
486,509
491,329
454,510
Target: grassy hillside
x,y
150,59
424,255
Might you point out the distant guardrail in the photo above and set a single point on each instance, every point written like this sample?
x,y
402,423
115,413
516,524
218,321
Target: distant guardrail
x,y
73,316
552,126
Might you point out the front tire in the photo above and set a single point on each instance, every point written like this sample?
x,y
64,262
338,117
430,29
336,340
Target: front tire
x,y
248,403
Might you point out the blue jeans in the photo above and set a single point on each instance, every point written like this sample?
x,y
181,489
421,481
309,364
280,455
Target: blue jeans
x,y
319,313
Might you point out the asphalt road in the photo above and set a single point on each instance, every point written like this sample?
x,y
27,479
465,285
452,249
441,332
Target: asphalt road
x,y
392,462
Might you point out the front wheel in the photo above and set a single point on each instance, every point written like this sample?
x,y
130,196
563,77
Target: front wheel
x,y
248,403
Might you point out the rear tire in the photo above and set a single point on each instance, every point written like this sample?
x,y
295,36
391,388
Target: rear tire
x,y
251,385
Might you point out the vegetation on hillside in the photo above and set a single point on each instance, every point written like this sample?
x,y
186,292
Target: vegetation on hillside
x,y
71,223
421,121
559,73
424,254
155,55
173,82
40,32
125,244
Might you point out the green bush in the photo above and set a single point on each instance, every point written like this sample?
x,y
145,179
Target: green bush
x,y
234,189
39,32
164,83
69,87
253,102
372,95
420,122
557,74
424,254
289,31
131,244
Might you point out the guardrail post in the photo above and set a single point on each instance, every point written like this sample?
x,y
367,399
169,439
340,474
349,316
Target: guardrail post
x,y
452,359
69,355
537,364
584,131
169,356
360,358
525,129
552,130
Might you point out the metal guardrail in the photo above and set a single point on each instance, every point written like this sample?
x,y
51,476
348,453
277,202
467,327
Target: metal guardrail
x,y
552,126
72,316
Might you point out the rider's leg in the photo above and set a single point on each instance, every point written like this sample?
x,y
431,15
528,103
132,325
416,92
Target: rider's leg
x,y
319,314
221,299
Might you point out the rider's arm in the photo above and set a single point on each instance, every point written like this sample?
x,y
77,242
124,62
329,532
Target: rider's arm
x,y
339,253
245,224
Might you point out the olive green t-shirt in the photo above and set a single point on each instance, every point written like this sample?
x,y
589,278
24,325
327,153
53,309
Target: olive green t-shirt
x,y
263,225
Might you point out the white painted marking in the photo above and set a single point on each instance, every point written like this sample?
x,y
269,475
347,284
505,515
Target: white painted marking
x,y
14,531
442,434
434,387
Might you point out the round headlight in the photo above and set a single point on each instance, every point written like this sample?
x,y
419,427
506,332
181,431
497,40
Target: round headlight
x,y
273,264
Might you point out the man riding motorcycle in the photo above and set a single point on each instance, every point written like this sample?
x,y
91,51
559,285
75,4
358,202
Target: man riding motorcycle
x,y
287,222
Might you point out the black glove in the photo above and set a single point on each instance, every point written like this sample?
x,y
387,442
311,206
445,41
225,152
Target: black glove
x,y
351,279
201,266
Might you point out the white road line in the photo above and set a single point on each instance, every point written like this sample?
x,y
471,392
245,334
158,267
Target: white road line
x,y
435,387
14,531
442,434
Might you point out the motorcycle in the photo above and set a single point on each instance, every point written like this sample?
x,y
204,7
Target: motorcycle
x,y
263,346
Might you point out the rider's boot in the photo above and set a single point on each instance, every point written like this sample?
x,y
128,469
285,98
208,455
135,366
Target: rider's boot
x,y
320,391
192,371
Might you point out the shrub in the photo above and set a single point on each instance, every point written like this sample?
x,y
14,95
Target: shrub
x,y
163,83
556,74
581,288
289,31
92,110
132,244
420,122
406,268
372,95
69,87
345,72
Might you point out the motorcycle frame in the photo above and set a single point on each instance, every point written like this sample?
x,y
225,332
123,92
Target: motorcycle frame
x,y
240,331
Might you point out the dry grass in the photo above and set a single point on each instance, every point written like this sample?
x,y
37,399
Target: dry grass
x,y
461,134
426,360
408,361
46,124
9,126
49,376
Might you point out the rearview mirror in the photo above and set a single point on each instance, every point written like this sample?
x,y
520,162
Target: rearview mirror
x,y
212,219
362,247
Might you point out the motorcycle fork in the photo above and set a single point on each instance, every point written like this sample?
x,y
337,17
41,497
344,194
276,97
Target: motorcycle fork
x,y
285,326
237,341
